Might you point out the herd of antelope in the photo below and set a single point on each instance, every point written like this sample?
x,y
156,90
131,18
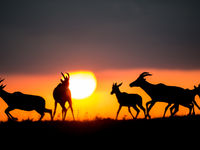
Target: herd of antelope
x,y
18,100
172,95
158,93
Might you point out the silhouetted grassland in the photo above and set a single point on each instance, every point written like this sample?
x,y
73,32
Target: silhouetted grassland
x,y
103,131
101,125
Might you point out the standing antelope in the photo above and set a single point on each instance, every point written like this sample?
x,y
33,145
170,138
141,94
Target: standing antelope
x,y
18,100
62,94
163,93
129,100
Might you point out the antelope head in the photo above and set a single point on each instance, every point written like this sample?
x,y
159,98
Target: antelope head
x,y
140,80
197,90
65,80
1,87
115,88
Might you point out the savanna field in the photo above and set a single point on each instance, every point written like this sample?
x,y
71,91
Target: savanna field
x,y
104,132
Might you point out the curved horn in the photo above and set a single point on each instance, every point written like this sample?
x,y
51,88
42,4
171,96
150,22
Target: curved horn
x,y
3,86
144,74
63,75
67,74
2,80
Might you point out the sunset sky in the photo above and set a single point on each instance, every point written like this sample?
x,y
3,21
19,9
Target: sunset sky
x,y
116,40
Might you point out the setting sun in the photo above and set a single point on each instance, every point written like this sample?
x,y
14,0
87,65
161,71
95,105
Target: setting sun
x,y
82,84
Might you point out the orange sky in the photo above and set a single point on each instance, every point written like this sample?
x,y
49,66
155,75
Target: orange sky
x,y
100,103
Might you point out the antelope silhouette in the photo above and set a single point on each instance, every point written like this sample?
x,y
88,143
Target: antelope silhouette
x,y
129,100
18,100
188,95
163,93
62,94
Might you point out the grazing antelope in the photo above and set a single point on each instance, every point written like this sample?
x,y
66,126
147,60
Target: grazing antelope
x,y
163,93
129,100
18,100
62,94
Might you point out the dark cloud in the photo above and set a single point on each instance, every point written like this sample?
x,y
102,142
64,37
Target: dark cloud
x,y
50,36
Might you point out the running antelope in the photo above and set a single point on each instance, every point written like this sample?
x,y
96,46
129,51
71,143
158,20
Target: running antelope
x,y
18,100
188,95
163,93
129,100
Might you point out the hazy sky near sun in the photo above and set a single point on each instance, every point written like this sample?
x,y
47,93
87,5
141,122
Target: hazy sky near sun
x,y
50,36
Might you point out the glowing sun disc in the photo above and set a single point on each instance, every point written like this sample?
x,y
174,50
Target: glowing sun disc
x,y
82,84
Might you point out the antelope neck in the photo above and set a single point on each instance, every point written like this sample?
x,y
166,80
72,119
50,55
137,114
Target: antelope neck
x,y
193,92
146,87
118,93
4,95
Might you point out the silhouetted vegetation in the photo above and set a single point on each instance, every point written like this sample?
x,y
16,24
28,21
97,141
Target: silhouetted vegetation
x,y
101,133
102,127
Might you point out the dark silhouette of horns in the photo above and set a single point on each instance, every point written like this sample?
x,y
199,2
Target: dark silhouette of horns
x,y
2,86
144,74
1,80
67,74
63,75
67,77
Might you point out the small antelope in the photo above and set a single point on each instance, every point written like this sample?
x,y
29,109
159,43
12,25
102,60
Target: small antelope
x,y
18,100
129,100
62,94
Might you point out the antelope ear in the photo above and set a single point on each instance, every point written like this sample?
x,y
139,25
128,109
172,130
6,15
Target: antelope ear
x,y
195,87
120,84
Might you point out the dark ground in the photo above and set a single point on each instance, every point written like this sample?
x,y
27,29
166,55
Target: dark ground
x,y
183,131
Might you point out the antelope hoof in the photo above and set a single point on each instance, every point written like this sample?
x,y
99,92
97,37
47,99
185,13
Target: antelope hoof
x,y
15,119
